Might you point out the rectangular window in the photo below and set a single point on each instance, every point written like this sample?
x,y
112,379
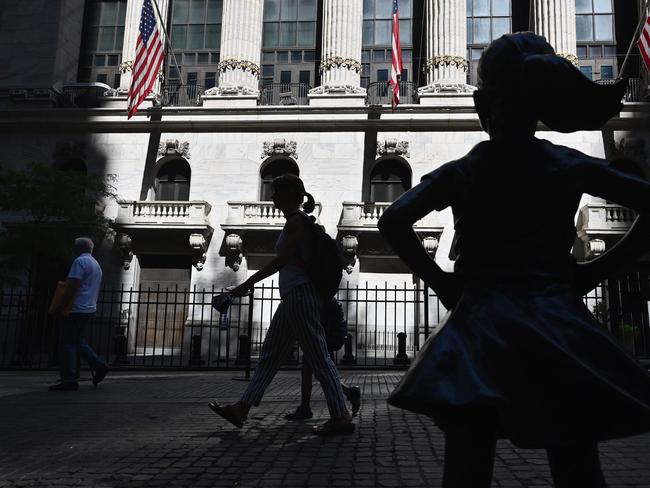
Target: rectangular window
x,y
404,9
289,10
203,58
405,32
306,36
192,78
378,55
500,26
210,79
584,28
382,75
213,36
606,72
582,51
271,10
116,80
306,9
214,11
195,36
305,77
610,50
112,60
287,34
587,71
368,9
595,51
270,34
382,33
283,56
197,12
368,34
603,28
100,60
101,78
285,77
501,8
481,30
603,7
583,6
309,56
179,35
481,8
268,70
181,11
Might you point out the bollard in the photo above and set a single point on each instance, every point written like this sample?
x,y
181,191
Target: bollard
x,y
195,354
348,357
244,351
119,345
401,357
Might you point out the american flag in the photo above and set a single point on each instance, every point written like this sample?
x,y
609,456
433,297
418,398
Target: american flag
x,y
149,54
396,68
644,43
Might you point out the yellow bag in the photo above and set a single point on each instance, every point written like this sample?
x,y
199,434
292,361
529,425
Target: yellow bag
x,y
57,299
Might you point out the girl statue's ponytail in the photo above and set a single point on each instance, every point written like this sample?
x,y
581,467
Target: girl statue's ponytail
x,y
564,99
310,204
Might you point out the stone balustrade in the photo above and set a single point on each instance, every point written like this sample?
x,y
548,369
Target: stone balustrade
x,y
258,214
366,215
603,218
163,213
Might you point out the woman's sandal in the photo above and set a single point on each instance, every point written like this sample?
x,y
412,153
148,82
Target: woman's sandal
x,y
228,413
333,427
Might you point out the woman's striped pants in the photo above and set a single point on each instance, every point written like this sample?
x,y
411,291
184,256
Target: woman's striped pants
x,y
297,317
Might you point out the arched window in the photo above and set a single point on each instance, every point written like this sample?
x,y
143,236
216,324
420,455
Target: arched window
x,y
271,170
388,180
173,181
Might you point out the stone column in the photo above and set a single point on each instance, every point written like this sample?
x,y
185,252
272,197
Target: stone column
x,y
556,20
341,60
446,64
131,32
133,9
241,48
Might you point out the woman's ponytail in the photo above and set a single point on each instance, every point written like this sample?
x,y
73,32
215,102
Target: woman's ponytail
x,y
310,204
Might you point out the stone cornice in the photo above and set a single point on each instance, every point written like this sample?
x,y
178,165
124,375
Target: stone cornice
x,y
635,116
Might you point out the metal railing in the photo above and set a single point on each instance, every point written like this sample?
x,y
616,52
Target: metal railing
x,y
178,328
380,93
635,90
284,94
182,95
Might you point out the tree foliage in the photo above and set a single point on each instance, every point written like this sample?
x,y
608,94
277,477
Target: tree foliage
x,y
43,209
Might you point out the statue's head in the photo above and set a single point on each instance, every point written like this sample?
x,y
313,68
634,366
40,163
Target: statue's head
x,y
522,81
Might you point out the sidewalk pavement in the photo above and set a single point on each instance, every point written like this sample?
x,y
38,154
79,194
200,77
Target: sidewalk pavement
x,y
141,429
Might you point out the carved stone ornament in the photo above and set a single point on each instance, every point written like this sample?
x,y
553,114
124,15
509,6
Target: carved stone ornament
x,y
350,245
234,248
125,66
279,147
446,87
233,64
199,245
337,89
173,147
430,245
570,57
595,247
230,91
445,60
340,62
124,243
393,147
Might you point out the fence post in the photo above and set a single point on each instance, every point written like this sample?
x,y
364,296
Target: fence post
x,y
401,357
348,356
195,354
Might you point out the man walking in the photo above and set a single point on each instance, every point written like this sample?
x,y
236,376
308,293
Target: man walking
x,y
81,289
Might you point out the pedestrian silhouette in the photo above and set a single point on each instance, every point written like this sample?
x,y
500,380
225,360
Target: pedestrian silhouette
x,y
298,315
520,357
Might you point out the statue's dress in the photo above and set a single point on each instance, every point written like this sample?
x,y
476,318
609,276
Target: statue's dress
x,y
520,348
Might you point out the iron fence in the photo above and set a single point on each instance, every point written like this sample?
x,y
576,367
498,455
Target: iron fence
x,y
178,328
284,94
635,90
182,95
380,93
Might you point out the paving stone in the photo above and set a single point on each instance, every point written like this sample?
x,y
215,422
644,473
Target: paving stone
x,y
154,430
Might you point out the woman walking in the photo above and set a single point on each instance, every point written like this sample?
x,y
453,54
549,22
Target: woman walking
x,y
520,356
297,316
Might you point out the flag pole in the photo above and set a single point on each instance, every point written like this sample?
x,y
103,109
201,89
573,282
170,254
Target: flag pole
x,y
167,41
642,21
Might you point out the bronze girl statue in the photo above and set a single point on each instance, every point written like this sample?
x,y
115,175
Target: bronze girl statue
x,y
520,356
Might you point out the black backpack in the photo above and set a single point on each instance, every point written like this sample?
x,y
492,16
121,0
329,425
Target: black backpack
x,y
324,268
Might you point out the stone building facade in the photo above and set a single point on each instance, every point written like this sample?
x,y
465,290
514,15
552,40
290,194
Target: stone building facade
x,y
257,88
